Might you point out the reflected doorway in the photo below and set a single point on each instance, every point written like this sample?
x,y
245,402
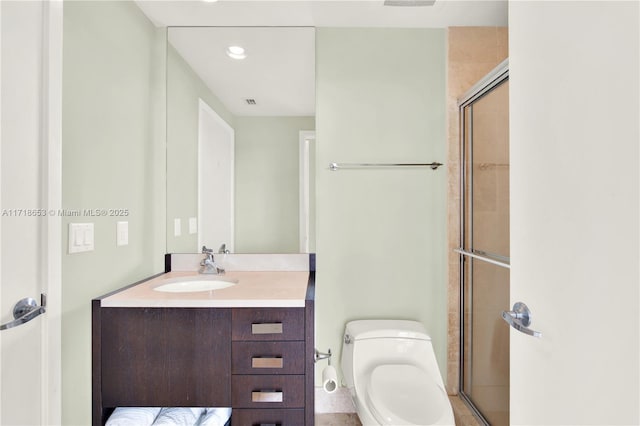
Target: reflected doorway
x,y
307,191
215,180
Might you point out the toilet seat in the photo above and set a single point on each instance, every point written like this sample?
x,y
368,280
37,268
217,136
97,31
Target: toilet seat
x,y
402,394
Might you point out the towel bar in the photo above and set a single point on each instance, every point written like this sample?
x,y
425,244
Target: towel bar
x,y
336,166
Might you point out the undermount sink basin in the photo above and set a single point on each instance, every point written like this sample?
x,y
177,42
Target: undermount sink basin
x,y
194,284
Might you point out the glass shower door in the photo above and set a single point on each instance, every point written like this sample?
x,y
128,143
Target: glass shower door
x,y
485,252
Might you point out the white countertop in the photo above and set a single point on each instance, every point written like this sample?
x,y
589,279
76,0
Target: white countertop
x,y
254,289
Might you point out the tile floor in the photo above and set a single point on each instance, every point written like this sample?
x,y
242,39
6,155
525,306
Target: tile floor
x,y
463,416
337,419
461,413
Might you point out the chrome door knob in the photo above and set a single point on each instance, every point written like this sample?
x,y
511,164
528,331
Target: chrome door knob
x,y
520,319
24,311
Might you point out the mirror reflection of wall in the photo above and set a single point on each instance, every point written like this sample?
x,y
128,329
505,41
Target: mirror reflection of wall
x,y
263,106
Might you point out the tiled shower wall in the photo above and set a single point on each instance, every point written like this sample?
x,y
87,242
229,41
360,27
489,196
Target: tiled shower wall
x,y
471,53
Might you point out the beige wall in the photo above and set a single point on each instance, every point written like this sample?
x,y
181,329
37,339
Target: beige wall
x,y
380,233
113,156
471,53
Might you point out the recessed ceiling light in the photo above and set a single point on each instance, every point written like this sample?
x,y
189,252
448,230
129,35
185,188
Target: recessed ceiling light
x,y
209,1
236,52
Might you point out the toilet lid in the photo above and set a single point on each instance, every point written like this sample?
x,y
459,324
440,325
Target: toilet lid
x,y
400,394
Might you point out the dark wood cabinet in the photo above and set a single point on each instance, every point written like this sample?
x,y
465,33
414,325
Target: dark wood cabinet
x,y
267,357
268,324
273,391
166,357
293,417
268,361
259,361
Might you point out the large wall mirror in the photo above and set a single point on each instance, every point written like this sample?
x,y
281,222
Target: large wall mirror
x,y
240,139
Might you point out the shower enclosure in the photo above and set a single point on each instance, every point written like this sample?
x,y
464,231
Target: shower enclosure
x,y
484,247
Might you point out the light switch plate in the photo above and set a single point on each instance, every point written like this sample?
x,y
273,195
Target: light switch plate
x,y
122,233
177,227
81,237
193,225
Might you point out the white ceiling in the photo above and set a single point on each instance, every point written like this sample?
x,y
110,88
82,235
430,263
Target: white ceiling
x,y
279,69
324,13
278,72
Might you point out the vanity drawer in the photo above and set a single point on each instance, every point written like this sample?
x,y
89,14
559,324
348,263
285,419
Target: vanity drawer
x,y
248,417
274,391
267,324
267,358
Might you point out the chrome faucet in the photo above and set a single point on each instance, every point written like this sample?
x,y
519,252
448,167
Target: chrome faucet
x,y
209,265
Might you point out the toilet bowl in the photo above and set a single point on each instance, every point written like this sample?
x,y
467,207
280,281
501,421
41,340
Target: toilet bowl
x,y
392,375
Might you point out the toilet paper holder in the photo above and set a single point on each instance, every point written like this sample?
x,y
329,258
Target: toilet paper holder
x,y
329,374
319,356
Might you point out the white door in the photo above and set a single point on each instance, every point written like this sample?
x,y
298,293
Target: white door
x,y
574,132
215,180
31,59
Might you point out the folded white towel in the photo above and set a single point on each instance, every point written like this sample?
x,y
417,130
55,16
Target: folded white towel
x,y
217,416
133,416
178,416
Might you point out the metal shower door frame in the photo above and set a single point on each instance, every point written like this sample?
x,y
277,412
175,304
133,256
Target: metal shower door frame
x,y
492,80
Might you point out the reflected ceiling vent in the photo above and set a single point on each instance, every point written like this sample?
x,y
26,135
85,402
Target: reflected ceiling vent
x,y
409,2
250,101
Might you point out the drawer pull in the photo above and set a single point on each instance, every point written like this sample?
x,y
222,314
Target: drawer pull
x,y
266,328
267,424
267,396
267,362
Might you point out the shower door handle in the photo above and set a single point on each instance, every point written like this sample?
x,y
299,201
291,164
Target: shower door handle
x,y
24,311
520,318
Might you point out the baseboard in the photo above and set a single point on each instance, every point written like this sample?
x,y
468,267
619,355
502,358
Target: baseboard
x,y
336,402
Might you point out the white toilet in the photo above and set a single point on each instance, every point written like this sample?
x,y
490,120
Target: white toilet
x,y
391,372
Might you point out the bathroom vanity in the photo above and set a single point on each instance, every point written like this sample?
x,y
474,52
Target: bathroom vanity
x,y
248,346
